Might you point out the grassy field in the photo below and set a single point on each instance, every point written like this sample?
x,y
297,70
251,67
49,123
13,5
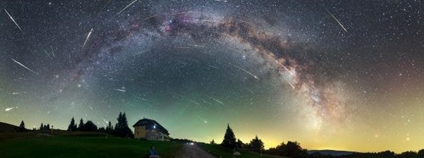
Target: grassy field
x,y
74,146
93,144
220,151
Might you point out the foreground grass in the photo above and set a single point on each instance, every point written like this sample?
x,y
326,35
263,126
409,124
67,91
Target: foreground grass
x,y
220,151
73,146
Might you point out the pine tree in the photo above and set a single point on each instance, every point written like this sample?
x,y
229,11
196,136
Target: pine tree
x,y
121,128
229,138
126,130
89,126
48,127
124,122
239,144
71,125
118,124
81,124
109,127
212,142
41,127
22,125
256,144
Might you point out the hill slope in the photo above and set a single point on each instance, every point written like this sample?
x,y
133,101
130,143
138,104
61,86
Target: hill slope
x,y
7,128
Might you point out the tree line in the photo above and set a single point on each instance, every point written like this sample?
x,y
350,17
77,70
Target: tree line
x,y
120,129
21,127
230,141
293,149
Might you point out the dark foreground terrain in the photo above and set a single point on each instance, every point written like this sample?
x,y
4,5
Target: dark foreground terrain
x,y
93,144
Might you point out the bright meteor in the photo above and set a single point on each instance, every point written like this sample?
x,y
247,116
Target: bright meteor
x,y
11,18
17,62
341,25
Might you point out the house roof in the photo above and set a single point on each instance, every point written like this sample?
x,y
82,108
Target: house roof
x,y
149,122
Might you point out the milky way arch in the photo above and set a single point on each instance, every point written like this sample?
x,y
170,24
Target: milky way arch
x,y
326,99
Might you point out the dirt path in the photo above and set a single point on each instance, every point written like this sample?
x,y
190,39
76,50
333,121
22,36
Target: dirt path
x,y
193,151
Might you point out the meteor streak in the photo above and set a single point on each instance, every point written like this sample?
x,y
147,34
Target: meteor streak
x,y
248,72
279,64
48,55
120,90
341,25
285,68
205,121
17,62
193,101
88,37
218,101
11,108
51,48
18,93
13,21
127,6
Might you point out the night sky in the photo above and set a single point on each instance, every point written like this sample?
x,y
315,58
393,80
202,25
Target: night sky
x,y
345,75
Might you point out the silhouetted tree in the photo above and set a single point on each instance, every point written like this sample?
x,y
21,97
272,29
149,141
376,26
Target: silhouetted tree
x,y
239,144
89,126
229,138
109,128
21,127
124,120
256,144
118,125
81,124
291,149
386,154
212,142
421,153
72,126
121,128
45,127
102,129
408,154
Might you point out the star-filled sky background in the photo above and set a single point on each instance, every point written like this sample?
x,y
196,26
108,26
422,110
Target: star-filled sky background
x,y
345,75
